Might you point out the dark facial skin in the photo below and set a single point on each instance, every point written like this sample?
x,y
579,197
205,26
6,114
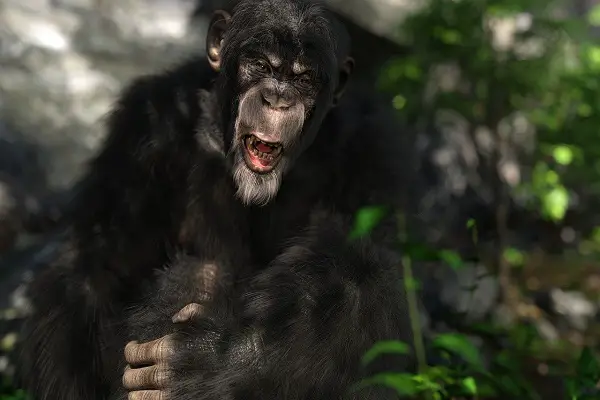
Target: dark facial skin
x,y
276,88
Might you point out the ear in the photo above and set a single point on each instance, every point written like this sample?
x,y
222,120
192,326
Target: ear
x,y
345,71
214,37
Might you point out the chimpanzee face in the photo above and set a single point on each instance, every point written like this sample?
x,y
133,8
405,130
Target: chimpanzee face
x,y
280,75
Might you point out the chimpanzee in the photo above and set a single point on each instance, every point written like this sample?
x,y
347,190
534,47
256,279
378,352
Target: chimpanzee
x,y
210,254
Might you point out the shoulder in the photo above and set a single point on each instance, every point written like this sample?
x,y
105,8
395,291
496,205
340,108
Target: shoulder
x,y
169,92
150,138
157,112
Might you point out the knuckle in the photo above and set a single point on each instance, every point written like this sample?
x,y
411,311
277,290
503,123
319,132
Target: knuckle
x,y
160,377
129,379
163,348
130,349
135,396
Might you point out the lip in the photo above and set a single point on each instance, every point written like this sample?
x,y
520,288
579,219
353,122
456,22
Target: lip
x,y
266,138
260,162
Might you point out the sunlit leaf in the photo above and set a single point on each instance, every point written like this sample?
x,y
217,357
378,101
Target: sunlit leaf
x,y
469,385
584,110
563,155
593,16
555,203
412,284
595,236
552,177
412,71
385,347
403,384
452,258
366,220
399,102
448,36
513,256
470,223
593,55
460,345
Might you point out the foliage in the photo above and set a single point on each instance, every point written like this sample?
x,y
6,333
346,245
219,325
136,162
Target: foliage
x,y
545,73
7,392
544,82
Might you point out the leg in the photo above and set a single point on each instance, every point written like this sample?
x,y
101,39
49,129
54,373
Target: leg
x,y
70,344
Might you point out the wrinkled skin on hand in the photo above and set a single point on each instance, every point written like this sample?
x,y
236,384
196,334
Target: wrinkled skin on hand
x,y
147,374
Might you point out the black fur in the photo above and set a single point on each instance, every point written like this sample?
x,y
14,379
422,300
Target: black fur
x,y
161,193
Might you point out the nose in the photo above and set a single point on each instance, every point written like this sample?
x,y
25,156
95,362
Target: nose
x,y
277,100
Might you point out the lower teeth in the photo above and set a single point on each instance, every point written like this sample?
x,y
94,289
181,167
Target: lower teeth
x,y
262,155
265,156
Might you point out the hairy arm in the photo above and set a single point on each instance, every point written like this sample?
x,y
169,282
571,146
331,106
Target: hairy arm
x,y
300,330
71,342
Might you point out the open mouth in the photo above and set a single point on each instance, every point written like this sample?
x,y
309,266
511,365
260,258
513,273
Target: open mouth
x,y
261,156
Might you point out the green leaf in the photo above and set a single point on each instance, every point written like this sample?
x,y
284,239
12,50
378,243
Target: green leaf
x,y
471,223
563,155
385,347
399,102
593,54
452,258
460,345
469,385
588,365
593,16
514,257
585,110
403,384
595,235
412,284
366,220
555,203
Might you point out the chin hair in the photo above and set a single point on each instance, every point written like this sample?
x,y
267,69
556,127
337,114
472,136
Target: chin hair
x,y
253,188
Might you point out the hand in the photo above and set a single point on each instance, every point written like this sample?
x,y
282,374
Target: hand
x,y
148,374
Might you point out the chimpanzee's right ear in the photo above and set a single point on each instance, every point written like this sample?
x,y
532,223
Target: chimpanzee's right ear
x,y
214,38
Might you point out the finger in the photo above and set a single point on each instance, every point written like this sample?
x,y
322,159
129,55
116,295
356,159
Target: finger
x,y
147,395
188,312
153,377
154,352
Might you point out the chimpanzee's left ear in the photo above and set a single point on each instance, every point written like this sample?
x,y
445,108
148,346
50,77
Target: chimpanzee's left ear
x,y
344,75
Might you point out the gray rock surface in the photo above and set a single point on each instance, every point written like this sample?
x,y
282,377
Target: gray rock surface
x,y
63,62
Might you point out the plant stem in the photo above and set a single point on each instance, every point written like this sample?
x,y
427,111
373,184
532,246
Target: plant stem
x,y
415,319
411,299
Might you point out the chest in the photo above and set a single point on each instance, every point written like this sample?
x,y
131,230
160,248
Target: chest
x,y
216,223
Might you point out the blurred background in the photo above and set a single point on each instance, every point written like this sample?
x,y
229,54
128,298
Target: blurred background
x,y
500,100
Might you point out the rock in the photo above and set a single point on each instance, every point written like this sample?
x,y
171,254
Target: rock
x,y
574,307
470,292
64,61
567,309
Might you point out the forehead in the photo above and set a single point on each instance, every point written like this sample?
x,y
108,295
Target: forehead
x,y
283,46
290,31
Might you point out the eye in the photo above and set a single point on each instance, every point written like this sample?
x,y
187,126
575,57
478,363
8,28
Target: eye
x,y
261,66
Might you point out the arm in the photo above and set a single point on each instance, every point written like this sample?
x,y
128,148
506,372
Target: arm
x,y
320,307
71,342
305,323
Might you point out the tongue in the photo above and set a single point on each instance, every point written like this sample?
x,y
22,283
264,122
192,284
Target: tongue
x,y
263,148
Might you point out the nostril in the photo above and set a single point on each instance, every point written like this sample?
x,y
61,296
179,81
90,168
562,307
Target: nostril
x,y
269,98
275,101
